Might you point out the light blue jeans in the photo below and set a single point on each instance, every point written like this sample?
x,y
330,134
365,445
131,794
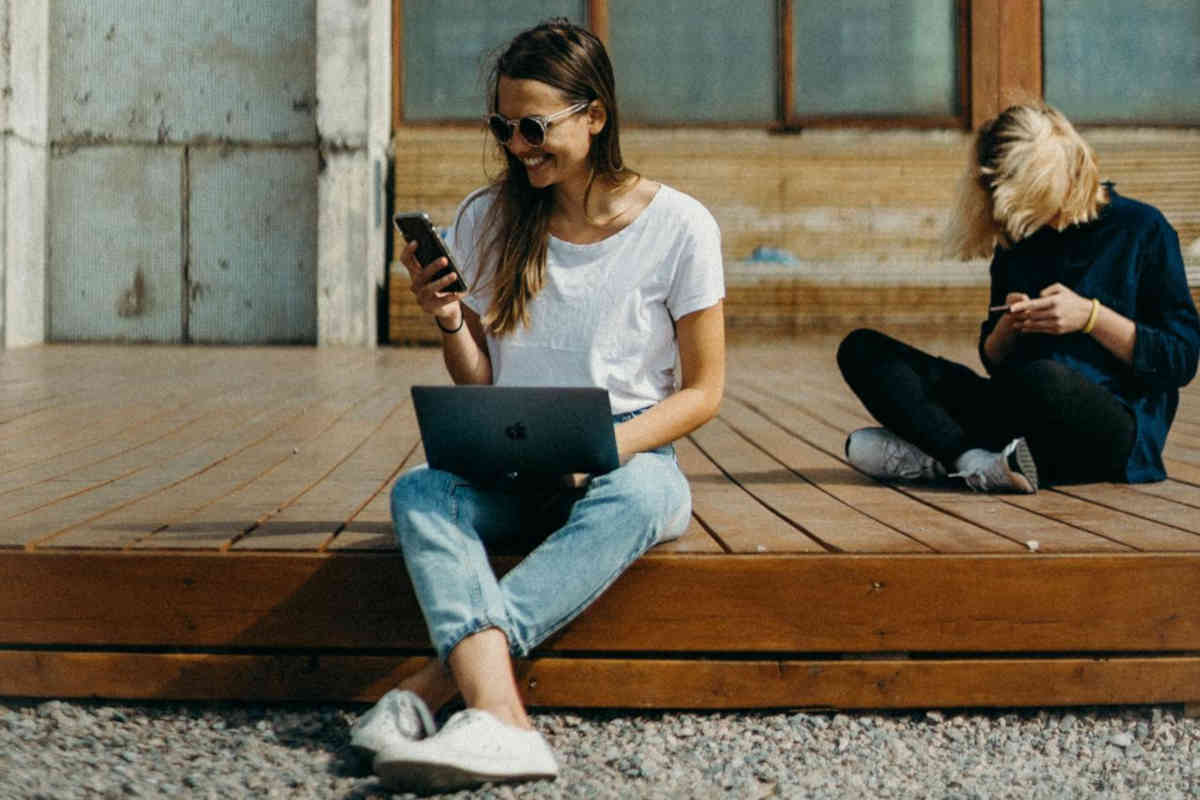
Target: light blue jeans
x,y
445,524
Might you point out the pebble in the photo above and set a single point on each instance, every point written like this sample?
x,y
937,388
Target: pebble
x,y
1121,740
95,749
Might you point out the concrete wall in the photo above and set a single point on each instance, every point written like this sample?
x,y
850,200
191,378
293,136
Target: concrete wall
x,y
354,83
194,171
27,153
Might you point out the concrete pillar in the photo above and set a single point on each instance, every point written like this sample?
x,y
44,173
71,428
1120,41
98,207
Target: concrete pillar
x,y
5,92
353,106
23,173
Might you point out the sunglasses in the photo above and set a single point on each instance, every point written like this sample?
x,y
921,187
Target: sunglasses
x,y
533,128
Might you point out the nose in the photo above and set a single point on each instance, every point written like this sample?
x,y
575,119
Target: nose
x,y
518,145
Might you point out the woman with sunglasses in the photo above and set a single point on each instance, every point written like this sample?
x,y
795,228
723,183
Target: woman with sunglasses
x,y
581,273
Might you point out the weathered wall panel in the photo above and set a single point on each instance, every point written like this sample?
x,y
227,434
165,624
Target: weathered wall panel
x,y
253,246
178,71
116,244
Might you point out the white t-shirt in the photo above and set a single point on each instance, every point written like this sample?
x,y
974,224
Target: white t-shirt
x,y
604,316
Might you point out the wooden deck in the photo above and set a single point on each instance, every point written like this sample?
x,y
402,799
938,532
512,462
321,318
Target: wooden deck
x,y
213,523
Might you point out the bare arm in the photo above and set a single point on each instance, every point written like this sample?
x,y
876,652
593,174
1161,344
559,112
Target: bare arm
x,y
1003,337
701,338
1057,311
464,345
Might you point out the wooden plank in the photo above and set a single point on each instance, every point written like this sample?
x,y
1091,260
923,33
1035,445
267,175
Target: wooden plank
x,y
48,509
936,683
370,528
285,470
696,539
1016,518
735,518
822,516
324,508
1181,470
663,603
164,518
106,448
1020,44
618,683
304,487
225,434
920,522
1161,523
203,676
1183,493
1080,508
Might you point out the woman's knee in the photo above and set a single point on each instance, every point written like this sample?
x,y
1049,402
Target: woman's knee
x,y
653,495
858,348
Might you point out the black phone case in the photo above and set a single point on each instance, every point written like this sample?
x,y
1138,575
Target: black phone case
x,y
430,247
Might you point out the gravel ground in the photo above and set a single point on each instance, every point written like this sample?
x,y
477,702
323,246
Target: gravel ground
x,y
55,749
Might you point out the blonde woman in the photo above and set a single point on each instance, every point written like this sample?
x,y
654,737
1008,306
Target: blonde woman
x,y
1090,334
582,273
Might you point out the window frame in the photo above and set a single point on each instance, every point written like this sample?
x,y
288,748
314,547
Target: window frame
x,y
1000,59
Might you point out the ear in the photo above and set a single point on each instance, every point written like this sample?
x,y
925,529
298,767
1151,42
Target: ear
x,y
597,116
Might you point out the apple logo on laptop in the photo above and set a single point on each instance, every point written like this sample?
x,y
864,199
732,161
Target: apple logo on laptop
x,y
517,431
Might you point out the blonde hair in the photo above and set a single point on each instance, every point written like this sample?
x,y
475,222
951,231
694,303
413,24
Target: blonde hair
x,y
1028,168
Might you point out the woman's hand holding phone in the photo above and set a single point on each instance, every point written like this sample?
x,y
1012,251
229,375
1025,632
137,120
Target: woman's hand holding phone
x,y
431,291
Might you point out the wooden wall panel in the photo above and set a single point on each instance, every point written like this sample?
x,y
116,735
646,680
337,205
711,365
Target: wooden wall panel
x,y
861,211
1006,55
618,683
664,603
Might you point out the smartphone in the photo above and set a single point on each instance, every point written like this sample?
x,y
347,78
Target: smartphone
x,y
415,226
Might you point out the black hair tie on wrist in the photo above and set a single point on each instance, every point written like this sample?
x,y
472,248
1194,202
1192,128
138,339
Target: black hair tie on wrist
x,y
461,320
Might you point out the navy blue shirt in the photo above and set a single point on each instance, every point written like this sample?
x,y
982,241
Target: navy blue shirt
x,y
1129,260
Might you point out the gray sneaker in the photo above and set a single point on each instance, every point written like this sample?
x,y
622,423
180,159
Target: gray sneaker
x,y
1010,470
882,454
472,748
400,715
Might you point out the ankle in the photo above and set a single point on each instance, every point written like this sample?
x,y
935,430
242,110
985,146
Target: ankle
x,y
433,683
511,715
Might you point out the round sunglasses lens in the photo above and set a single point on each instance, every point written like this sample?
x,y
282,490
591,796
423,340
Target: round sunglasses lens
x,y
532,131
500,129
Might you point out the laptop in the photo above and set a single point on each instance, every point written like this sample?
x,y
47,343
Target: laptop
x,y
530,433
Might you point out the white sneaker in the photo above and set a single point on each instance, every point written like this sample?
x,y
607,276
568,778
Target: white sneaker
x,y
472,748
882,454
1010,470
400,715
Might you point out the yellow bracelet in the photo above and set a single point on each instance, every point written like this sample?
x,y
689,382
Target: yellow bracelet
x,y
1091,323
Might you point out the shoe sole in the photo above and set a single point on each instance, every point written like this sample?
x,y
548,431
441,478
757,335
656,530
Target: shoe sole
x,y
1022,467
423,776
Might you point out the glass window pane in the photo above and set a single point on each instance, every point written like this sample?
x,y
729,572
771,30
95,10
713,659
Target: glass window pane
x,y
876,57
447,44
694,60
1123,60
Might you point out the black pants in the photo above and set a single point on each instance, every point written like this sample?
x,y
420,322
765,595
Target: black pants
x,y
1077,431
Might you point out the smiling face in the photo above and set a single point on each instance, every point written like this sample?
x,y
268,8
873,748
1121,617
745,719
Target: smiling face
x,y
563,159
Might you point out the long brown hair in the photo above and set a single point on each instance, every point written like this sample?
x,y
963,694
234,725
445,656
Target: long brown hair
x,y
516,230
1027,168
